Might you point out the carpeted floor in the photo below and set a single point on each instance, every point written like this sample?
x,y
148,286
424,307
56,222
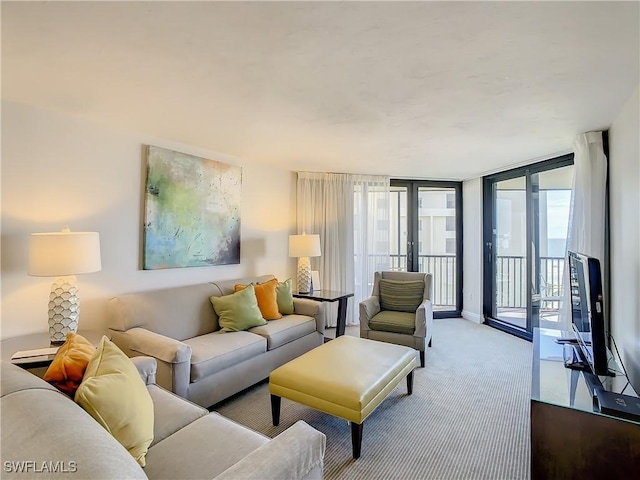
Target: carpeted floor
x,y
468,417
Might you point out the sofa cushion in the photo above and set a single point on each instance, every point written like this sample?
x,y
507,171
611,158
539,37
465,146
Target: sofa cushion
x,y
396,322
401,296
202,449
284,295
67,368
113,393
171,413
285,330
297,452
166,311
238,311
216,351
267,298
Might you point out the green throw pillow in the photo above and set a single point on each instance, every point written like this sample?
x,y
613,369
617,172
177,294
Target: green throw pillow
x,y
284,294
238,311
401,295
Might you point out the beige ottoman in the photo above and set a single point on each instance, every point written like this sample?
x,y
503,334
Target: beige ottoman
x,y
347,377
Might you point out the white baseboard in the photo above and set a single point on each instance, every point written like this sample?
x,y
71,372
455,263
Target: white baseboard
x,y
472,317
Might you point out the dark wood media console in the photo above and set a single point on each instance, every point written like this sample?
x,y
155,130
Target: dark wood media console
x,y
570,438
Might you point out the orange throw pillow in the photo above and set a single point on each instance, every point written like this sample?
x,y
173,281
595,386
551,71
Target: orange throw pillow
x,y
68,366
267,298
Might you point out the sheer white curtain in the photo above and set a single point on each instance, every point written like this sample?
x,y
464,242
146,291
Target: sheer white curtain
x,y
371,232
351,215
587,222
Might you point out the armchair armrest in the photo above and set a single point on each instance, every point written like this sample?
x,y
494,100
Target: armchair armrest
x,y
147,367
173,357
293,454
368,308
312,308
424,319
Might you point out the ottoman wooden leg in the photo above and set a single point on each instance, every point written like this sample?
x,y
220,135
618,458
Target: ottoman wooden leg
x,y
356,438
410,383
275,409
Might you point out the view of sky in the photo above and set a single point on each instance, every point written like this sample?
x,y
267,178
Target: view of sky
x,y
558,213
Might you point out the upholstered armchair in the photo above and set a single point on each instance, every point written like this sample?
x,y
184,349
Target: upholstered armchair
x,y
399,310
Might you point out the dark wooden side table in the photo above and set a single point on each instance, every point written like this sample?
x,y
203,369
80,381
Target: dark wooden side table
x,y
331,296
36,341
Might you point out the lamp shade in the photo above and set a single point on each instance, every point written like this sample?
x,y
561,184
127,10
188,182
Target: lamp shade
x,y
304,245
64,253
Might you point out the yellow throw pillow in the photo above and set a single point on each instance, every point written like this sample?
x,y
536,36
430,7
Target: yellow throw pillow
x,y
267,298
68,366
113,393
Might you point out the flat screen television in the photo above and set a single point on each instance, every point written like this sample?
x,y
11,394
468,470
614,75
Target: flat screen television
x,y
587,311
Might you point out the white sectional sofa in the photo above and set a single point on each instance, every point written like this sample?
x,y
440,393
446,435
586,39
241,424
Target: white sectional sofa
x,y
46,435
196,360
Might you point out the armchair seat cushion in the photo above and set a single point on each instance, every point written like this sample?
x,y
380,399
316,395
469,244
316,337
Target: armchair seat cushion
x,y
216,351
395,322
284,330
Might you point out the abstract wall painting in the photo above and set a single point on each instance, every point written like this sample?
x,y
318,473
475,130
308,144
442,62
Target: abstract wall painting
x,y
192,211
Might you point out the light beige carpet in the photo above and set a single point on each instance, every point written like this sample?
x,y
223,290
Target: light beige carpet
x,y
468,417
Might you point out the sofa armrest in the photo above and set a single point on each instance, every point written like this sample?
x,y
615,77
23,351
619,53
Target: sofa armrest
x,y
291,455
368,308
158,346
147,367
311,308
173,356
424,320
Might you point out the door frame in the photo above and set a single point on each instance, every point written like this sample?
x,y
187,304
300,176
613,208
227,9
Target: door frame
x,y
532,227
413,263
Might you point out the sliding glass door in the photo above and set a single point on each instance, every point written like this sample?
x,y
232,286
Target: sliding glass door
x,y
509,251
426,236
526,214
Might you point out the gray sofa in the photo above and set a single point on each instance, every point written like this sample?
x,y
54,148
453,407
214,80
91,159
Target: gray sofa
x,y
196,360
47,435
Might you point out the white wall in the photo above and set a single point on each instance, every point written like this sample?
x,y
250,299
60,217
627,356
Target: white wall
x,y
59,170
624,206
472,250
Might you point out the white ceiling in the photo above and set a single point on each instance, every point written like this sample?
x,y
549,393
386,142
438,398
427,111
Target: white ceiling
x,y
423,89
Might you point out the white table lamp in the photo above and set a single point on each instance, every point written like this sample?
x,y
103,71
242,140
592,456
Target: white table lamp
x,y
63,254
304,246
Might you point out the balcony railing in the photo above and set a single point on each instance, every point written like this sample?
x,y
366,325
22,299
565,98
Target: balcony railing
x,y
443,268
511,284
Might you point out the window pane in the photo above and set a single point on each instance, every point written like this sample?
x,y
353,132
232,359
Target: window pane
x,y
451,246
398,230
555,199
437,243
451,224
451,200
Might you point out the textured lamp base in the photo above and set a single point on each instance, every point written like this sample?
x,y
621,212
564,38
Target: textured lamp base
x,y
64,308
304,275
